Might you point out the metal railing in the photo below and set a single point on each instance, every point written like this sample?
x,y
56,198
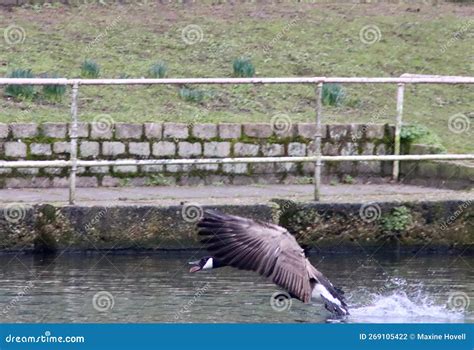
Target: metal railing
x,y
318,158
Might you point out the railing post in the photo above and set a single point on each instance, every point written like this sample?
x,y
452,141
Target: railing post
x,y
398,128
73,144
317,142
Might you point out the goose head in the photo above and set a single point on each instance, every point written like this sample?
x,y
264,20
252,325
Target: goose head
x,y
204,263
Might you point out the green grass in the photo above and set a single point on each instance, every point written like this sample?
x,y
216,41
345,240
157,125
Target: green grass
x,y
283,40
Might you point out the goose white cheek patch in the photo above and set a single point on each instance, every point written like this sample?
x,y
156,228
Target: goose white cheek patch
x,y
208,265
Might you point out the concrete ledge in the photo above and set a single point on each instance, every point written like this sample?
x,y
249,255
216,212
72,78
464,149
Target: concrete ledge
x,y
169,223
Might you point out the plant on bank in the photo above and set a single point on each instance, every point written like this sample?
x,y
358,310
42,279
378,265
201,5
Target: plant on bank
x,y
53,92
243,68
90,69
158,70
20,91
191,95
333,94
397,221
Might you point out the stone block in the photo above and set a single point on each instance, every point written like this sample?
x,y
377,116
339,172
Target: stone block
x,y
15,149
61,147
152,168
238,168
40,149
4,131
188,149
141,149
101,131
24,130
82,130
87,181
175,130
55,130
164,148
230,130
113,148
217,149
89,149
205,131
99,169
296,149
110,181
368,148
122,169
258,130
308,130
262,168
337,132
245,149
128,131
153,131
374,131
273,150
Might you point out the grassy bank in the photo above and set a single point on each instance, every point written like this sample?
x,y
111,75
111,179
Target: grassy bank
x,y
280,40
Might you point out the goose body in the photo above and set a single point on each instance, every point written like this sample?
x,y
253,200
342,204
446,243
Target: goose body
x,y
269,250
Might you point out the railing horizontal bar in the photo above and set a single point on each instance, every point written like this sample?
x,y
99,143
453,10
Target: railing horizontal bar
x,y
291,80
87,163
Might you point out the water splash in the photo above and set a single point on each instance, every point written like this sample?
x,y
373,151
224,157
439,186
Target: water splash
x,y
406,304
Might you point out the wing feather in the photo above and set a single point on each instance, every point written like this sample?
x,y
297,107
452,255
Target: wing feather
x,y
265,248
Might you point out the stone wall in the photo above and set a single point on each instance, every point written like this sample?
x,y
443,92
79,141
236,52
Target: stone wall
x,y
50,141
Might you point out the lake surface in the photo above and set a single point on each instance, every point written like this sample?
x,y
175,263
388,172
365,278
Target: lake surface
x,y
158,288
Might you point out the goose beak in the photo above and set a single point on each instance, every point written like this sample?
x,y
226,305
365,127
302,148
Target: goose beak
x,y
196,267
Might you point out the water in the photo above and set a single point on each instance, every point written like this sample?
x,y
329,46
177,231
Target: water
x,y
158,288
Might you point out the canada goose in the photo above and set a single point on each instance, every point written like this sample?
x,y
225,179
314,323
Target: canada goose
x,y
269,250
